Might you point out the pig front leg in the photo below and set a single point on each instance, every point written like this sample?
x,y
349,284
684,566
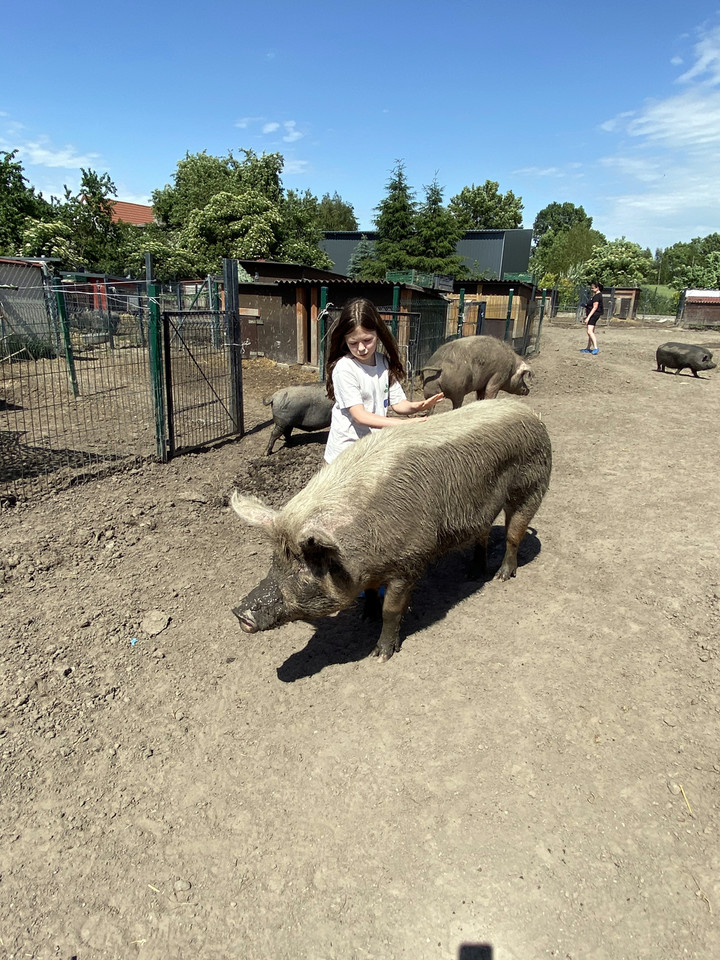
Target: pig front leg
x,y
397,598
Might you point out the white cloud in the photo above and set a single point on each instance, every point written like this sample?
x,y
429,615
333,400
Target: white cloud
x,y
690,120
42,154
291,132
296,166
270,127
658,183
558,173
609,126
707,52
245,122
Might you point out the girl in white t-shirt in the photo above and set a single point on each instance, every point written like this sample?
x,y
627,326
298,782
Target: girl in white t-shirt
x,y
363,382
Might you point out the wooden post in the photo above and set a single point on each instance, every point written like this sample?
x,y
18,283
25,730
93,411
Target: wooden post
x,y
300,324
508,320
313,326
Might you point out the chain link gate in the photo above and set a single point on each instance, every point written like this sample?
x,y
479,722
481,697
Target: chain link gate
x,y
198,383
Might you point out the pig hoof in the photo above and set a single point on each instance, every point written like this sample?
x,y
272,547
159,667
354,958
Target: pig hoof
x,y
505,573
383,651
383,655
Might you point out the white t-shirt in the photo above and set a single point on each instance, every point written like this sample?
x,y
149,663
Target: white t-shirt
x,y
355,383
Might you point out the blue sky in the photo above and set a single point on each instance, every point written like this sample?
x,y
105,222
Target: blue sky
x,y
615,107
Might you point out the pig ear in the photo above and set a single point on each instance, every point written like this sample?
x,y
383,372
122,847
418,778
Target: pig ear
x,y
315,538
252,511
322,551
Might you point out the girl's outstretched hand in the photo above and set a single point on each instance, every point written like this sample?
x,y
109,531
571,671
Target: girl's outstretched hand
x,y
428,404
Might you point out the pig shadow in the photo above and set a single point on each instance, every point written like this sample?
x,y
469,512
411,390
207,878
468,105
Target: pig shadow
x,y
679,373
347,638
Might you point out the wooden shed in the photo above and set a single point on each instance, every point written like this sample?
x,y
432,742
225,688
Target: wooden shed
x,y
700,308
281,305
495,295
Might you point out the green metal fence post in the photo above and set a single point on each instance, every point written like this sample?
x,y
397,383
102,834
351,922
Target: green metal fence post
x,y
234,341
156,370
65,330
461,312
321,333
396,310
508,320
540,323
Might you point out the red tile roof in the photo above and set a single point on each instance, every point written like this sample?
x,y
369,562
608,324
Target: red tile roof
x,y
135,213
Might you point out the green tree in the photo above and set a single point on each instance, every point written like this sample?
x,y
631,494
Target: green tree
x,y
18,201
485,208
244,227
335,214
437,232
701,276
558,217
362,260
396,225
51,238
300,233
675,264
171,261
89,214
199,177
619,263
563,253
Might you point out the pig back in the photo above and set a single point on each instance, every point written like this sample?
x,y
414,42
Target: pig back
x,y
468,363
680,355
305,406
406,494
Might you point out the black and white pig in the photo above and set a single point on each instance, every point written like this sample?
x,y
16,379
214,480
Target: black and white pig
x,y
677,356
393,502
481,364
305,407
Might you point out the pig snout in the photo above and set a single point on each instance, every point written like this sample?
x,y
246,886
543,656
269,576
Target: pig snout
x,y
263,608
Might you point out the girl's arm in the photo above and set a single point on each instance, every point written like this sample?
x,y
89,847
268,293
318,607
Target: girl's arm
x,y
366,419
405,407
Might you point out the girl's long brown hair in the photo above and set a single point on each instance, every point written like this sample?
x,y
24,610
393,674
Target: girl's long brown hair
x,y
361,312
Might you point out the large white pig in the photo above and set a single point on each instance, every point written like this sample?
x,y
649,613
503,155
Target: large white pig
x,y
390,504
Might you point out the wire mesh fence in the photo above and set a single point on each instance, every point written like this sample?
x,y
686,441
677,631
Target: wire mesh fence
x,y
98,376
77,402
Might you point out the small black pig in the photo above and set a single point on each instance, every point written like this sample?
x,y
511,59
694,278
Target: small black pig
x,y
305,407
681,355
390,504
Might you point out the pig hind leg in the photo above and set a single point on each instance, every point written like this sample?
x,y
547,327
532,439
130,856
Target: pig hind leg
x,y
274,437
478,564
397,598
517,520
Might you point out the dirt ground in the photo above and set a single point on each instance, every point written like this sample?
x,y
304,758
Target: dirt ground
x,y
535,774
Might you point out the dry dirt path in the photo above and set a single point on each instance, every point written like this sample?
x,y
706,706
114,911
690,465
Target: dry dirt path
x,y
536,773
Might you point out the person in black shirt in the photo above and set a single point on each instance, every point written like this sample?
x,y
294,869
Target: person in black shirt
x,y
594,310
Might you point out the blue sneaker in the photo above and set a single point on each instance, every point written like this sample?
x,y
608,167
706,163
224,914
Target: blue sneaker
x,y
594,352
586,350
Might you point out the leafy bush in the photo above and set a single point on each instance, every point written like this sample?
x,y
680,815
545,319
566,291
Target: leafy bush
x,y
16,348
